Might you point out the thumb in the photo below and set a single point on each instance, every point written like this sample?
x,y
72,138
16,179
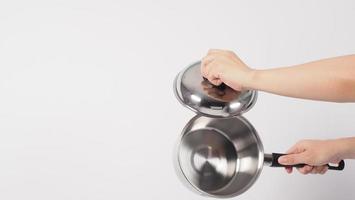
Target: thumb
x,y
216,81
292,159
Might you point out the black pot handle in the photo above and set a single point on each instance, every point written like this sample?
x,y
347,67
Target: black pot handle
x,y
276,156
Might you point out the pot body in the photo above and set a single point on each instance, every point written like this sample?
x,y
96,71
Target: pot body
x,y
219,157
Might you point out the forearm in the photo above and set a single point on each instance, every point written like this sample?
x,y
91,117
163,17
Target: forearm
x,y
346,147
328,80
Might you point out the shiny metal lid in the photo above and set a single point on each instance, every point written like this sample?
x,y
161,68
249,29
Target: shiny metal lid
x,y
199,95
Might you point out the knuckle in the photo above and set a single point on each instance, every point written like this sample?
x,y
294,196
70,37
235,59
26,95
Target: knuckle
x,y
324,171
309,168
229,52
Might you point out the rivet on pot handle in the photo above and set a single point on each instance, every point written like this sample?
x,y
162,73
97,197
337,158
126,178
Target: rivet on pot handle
x,y
274,157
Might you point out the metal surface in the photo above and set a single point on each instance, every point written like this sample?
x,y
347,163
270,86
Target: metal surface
x,y
219,157
202,97
268,159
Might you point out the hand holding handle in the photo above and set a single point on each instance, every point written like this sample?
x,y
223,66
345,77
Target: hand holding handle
x,y
276,156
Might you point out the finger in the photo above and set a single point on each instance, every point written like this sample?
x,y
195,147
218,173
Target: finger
x,y
220,53
314,171
317,169
204,65
207,71
207,60
292,159
211,74
293,149
324,170
305,170
213,51
215,81
288,170
210,64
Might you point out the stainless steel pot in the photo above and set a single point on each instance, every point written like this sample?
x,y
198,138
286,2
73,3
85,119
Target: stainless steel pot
x,y
219,153
223,157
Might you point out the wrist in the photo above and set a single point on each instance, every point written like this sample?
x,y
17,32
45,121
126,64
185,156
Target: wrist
x,y
346,147
252,79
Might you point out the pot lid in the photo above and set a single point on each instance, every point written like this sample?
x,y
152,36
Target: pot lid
x,y
198,94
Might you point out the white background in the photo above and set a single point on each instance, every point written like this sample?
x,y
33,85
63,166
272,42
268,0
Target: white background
x,y
87,109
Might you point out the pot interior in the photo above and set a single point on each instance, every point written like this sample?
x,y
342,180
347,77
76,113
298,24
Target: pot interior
x,y
211,157
220,157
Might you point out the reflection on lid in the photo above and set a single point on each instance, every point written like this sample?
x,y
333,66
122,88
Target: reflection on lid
x,y
235,105
195,98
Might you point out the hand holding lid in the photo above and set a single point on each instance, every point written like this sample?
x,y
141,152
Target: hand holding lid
x,y
198,94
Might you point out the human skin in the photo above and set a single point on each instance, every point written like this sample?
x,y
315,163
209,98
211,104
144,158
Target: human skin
x,y
331,79
317,153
